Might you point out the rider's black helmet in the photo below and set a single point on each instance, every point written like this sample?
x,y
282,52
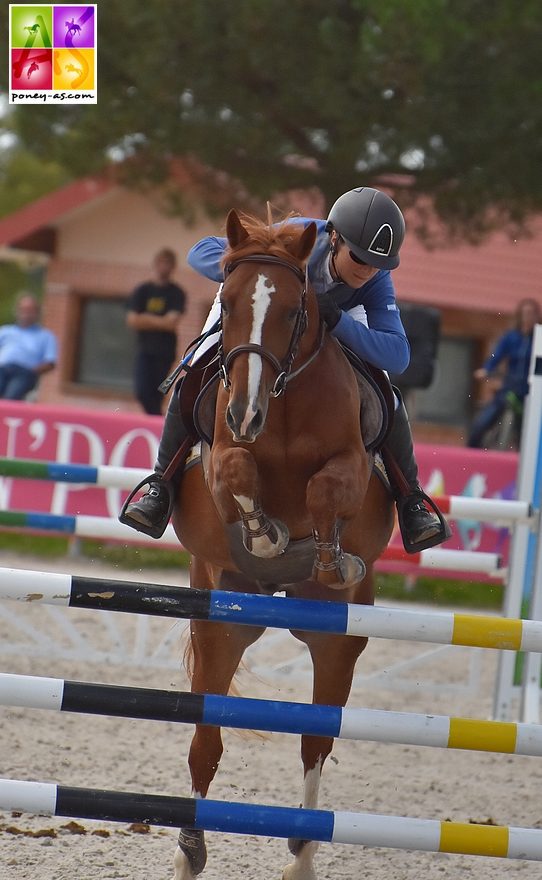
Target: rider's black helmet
x,y
371,224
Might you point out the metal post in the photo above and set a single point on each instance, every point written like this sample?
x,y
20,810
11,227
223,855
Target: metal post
x,y
525,536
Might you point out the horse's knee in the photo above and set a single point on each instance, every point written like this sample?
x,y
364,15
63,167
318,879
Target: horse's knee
x,y
237,469
334,492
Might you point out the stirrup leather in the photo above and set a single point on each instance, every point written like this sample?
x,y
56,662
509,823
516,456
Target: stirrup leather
x,y
157,530
442,535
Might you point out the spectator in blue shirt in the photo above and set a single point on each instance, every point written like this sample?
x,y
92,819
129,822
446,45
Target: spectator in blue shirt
x,y
349,269
27,350
513,350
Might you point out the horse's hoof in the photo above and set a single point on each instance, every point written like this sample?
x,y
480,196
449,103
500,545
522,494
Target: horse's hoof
x,y
272,544
352,569
348,571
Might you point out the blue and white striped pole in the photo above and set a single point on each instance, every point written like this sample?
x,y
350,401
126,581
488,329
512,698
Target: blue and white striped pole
x,y
365,829
377,725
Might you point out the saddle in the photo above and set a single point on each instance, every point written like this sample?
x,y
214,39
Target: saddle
x,y
198,391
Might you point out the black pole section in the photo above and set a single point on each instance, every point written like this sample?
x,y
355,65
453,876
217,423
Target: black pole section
x,y
118,806
151,599
124,702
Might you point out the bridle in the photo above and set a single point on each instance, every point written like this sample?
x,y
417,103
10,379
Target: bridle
x,y
282,368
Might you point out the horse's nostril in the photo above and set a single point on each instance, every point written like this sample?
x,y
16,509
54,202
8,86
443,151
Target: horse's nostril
x,y
257,421
230,421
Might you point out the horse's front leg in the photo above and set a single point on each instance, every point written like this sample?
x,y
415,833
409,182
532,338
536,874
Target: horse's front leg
x,y
334,495
217,651
235,479
334,659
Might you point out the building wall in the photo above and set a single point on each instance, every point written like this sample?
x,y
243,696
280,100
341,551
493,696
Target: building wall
x,y
106,248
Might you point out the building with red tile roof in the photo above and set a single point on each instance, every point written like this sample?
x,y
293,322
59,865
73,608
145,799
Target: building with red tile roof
x,y
99,238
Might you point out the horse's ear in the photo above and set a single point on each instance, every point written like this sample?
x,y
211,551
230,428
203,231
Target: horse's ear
x,y
305,243
235,230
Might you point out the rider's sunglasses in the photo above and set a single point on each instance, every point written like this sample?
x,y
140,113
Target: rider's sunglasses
x,y
353,256
356,259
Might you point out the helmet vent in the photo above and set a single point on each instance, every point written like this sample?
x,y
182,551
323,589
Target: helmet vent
x,y
382,241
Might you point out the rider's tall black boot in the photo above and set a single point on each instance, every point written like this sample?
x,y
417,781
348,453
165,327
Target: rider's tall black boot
x,y
421,523
151,513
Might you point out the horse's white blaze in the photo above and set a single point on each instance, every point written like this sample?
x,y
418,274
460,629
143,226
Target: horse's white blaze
x,y
261,299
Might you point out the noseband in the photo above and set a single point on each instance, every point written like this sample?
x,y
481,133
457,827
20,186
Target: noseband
x,y
282,368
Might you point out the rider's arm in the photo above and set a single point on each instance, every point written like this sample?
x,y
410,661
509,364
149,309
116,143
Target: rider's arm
x,y
375,332
206,255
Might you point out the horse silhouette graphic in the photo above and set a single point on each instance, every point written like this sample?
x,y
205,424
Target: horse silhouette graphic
x,y
72,28
71,68
32,28
33,67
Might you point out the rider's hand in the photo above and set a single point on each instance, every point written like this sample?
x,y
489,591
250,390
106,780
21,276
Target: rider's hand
x,y
481,373
328,308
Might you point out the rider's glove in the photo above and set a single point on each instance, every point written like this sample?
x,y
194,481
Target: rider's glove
x,y
329,310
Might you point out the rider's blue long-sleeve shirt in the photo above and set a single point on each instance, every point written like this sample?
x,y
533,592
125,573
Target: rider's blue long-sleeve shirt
x,y
515,348
370,324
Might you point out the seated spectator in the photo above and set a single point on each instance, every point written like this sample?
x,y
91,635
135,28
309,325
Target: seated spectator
x,y
27,350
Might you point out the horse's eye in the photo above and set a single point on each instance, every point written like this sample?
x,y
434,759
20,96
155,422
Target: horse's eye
x,y
292,314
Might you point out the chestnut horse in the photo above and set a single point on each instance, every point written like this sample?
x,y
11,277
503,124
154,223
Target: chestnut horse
x,y
286,498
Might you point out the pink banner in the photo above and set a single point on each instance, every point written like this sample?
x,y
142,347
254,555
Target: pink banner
x,y
473,473
78,436
85,436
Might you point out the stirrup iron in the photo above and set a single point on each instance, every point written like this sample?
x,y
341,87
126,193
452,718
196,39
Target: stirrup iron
x,y
443,535
157,530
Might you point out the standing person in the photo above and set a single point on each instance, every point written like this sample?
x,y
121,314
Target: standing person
x,y
154,311
349,270
514,348
27,350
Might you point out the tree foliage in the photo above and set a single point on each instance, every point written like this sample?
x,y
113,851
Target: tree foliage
x,y
287,93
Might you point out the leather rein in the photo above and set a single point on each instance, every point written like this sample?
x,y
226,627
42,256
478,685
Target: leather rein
x,y
282,368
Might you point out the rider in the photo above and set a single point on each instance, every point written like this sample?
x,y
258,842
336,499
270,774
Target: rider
x,y
349,270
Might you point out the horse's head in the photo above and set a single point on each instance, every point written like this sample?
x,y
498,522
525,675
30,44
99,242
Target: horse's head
x,y
264,316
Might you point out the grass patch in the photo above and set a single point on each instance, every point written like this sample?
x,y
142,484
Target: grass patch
x,y
56,547
440,591
34,545
135,557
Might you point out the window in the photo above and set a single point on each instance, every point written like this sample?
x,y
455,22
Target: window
x,y
105,355
448,399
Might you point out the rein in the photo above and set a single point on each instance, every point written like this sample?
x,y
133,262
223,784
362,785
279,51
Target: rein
x,y
282,368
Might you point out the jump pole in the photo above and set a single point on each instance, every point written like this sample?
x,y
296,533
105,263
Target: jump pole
x,y
444,628
376,725
106,528
110,477
365,829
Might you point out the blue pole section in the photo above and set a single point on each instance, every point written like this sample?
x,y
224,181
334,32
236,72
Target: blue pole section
x,y
271,715
72,473
302,614
257,819
51,522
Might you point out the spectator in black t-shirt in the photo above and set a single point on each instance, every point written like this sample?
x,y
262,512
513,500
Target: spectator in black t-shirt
x,y
154,310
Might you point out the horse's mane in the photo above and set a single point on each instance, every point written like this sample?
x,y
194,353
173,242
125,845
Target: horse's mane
x,y
266,238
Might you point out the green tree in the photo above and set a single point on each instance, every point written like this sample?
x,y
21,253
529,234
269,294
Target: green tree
x,y
25,176
288,93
